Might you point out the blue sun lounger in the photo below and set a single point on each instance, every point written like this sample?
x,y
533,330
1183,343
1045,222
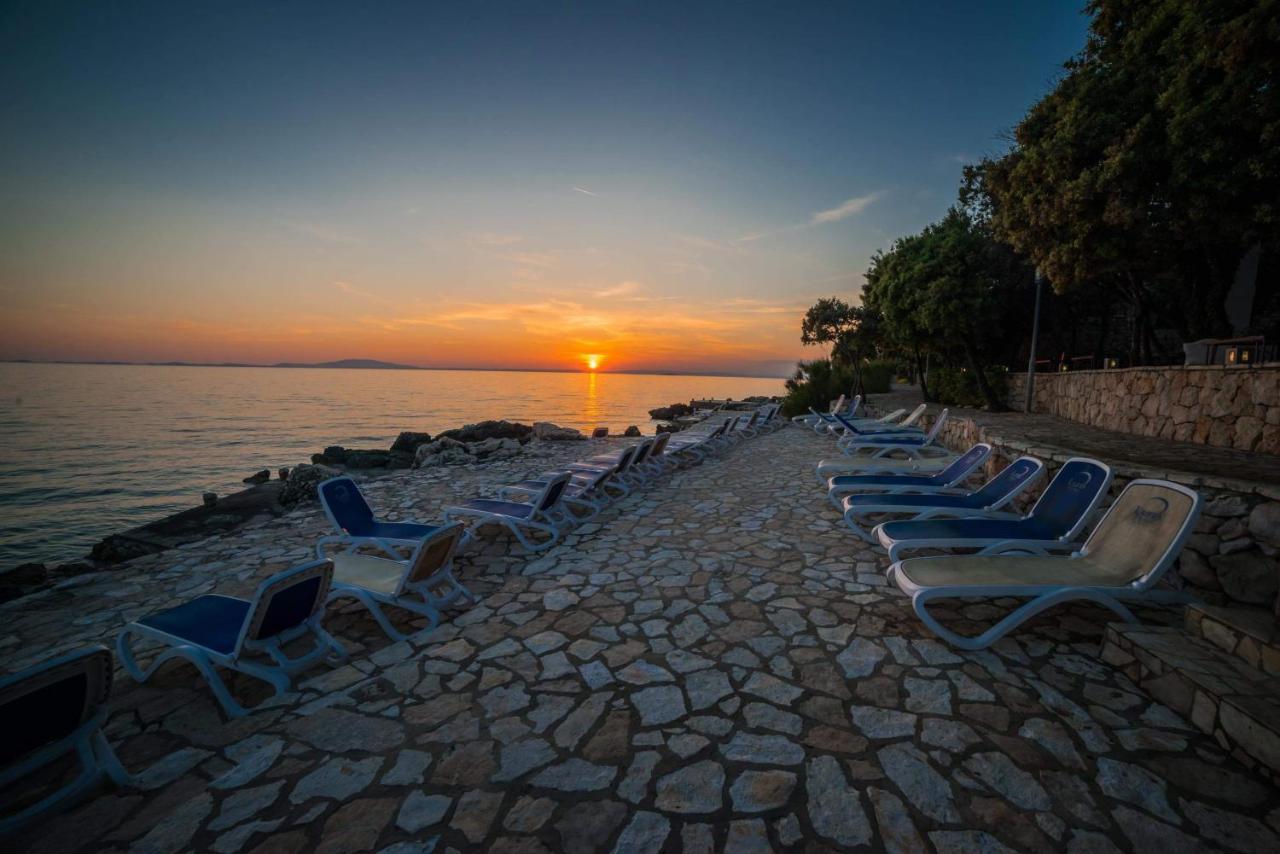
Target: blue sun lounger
x,y
817,420
1134,544
983,503
950,477
424,584
350,514
52,709
223,631
909,445
588,491
522,520
1056,520
847,430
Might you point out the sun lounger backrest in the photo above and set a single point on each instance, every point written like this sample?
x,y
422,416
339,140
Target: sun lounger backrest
x,y
1015,477
836,406
966,462
854,405
914,416
1143,531
1071,497
642,451
345,506
551,493
937,427
624,460
287,600
659,444
46,703
433,554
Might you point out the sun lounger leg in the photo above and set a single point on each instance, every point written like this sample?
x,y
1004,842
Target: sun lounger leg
x,y
1041,603
862,532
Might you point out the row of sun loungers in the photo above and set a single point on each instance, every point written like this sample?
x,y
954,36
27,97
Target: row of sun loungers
x,y
904,492
405,565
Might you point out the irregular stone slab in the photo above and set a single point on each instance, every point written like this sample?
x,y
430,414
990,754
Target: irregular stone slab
x,y
695,788
897,831
550,709
245,804
1054,738
420,810
660,704
338,731
949,735
355,826
475,814
643,673
772,689
170,768
559,599
835,811
998,771
338,779
576,775
410,769
528,814
502,701
252,756
1126,782
762,750
748,836
860,658
967,842
583,826
520,757
173,833
875,722
635,785
595,674
759,791
544,642
928,696
706,688
764,716
1240,832
1148,834
646,834
569,733
923,787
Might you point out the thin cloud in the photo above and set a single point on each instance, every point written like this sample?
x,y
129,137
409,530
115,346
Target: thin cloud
x,y
618,290
585,192
848,208
489,238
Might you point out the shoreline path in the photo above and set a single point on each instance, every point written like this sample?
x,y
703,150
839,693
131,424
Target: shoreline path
x,y
713,664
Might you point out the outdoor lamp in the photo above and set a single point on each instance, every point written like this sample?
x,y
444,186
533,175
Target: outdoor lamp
x,y
1111,362
1233,354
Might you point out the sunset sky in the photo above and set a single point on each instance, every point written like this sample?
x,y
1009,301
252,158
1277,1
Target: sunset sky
x,y
668,186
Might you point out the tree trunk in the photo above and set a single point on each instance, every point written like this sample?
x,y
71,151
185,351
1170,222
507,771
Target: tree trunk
x,y
994,403
924,383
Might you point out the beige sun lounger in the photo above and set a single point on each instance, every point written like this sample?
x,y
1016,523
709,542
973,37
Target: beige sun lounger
x,y
1136,541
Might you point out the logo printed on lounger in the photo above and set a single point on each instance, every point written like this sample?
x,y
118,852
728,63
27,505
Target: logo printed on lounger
x,y
1156,508
1080,481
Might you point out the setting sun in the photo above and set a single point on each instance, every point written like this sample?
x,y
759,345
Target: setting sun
x,y
593,360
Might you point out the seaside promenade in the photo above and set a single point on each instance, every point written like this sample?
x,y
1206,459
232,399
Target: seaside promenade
x,y
715,663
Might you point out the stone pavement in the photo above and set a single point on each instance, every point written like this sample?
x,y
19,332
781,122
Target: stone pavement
x,y
712,665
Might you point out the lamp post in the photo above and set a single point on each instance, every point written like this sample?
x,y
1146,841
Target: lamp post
x,y
1035,340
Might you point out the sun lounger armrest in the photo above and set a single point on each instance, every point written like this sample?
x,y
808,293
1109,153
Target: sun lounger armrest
x,y
1031,547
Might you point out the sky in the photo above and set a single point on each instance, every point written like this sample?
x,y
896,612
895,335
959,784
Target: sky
x,y
666,186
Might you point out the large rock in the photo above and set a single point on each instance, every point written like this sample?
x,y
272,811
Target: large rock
x,y
302,483
489,430
367,459
1250,576
668,413
1264,523
632,432
442,452
408,442
494,449
549,432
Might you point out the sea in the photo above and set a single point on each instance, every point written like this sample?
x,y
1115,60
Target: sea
x,y
91,450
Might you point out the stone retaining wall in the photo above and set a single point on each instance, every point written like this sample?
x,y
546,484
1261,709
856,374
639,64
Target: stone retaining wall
x,y
1226,407
1234,555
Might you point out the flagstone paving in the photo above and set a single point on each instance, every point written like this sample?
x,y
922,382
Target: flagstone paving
x,y
713,664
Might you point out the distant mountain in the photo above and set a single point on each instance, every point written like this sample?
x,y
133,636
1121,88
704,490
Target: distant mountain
x,y
349,363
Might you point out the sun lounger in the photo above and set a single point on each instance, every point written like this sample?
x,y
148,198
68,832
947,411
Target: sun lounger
x,y
814,417
52,709
424,584
224,631
826,469
986,502
1058,518
588,491
908,445
1135,543
522,520
949,478
349,513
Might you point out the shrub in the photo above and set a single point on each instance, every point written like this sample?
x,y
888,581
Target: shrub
x,y
819,382
877,377
958,387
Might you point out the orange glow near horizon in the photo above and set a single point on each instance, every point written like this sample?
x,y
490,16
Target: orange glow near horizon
x,y
593,361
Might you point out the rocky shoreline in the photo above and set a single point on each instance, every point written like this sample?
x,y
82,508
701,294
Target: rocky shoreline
x,y
265,498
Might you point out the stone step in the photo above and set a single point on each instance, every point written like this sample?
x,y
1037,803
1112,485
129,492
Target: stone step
x,y
1250,634
1217,691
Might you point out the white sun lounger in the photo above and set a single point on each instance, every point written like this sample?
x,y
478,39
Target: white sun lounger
x,y
1135,543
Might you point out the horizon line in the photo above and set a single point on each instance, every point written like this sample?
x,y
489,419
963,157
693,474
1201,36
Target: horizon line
x,y
388,366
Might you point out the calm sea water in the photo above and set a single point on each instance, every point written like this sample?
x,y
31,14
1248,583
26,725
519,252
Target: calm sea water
x,y
89,450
